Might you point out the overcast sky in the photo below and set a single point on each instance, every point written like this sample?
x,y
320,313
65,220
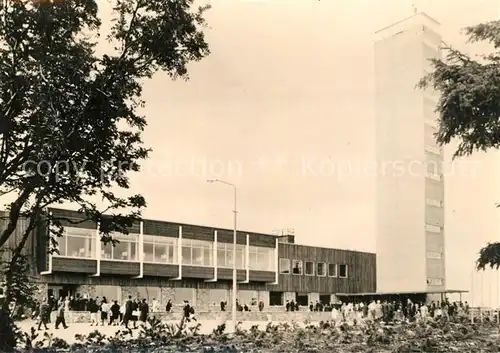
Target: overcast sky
x,y
289,84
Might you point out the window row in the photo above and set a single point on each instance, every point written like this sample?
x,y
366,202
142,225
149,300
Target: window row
x,y
160,249
435,281
81,243
261,259
320,269
225,255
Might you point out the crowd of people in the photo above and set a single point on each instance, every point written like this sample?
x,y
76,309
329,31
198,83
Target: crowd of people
x,y
389,311
103,312
132,311
243,307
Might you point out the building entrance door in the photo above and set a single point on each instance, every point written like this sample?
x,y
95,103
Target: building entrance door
x,y
325,299
61,290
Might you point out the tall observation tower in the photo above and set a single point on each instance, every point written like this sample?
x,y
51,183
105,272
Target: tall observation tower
x,y
410,191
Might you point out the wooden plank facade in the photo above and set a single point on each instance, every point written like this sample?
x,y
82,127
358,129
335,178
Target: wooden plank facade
x,y
83,271
361,270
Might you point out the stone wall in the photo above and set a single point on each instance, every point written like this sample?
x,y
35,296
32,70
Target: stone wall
x,y
181,294
202,298
129,291
166,294
313,297
87,289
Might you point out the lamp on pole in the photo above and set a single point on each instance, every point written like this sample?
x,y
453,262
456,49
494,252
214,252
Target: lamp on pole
x,y
235,212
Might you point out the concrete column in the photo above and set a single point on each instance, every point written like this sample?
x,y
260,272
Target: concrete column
x,y
140,250
276,262
98,249
179,254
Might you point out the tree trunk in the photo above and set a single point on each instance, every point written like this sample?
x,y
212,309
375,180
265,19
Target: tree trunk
x,y
8,337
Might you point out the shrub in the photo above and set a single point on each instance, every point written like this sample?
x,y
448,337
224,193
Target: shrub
x,y
440,336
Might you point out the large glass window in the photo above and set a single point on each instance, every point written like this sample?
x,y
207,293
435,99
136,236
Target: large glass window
x,y
225,255
261,259
77,242
197,252
160,249
284,266
126,249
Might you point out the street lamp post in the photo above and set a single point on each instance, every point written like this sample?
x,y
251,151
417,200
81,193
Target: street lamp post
x,y
235,212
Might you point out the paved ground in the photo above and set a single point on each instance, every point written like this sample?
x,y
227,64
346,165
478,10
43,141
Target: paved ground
x,y
84,329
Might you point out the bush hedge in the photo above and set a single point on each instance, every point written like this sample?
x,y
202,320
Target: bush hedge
x,y
432,336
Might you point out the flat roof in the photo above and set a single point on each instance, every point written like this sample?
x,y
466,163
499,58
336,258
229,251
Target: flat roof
x,y
447,291
339,249
421,14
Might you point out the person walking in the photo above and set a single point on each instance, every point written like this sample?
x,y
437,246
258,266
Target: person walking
x,y
135,312
127,316
144,309
60,314
93,307
115,313
43,314
168,308
104,310
187,311
52,306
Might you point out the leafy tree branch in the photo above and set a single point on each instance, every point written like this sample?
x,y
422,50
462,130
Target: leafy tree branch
x,y
71,130
469,104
